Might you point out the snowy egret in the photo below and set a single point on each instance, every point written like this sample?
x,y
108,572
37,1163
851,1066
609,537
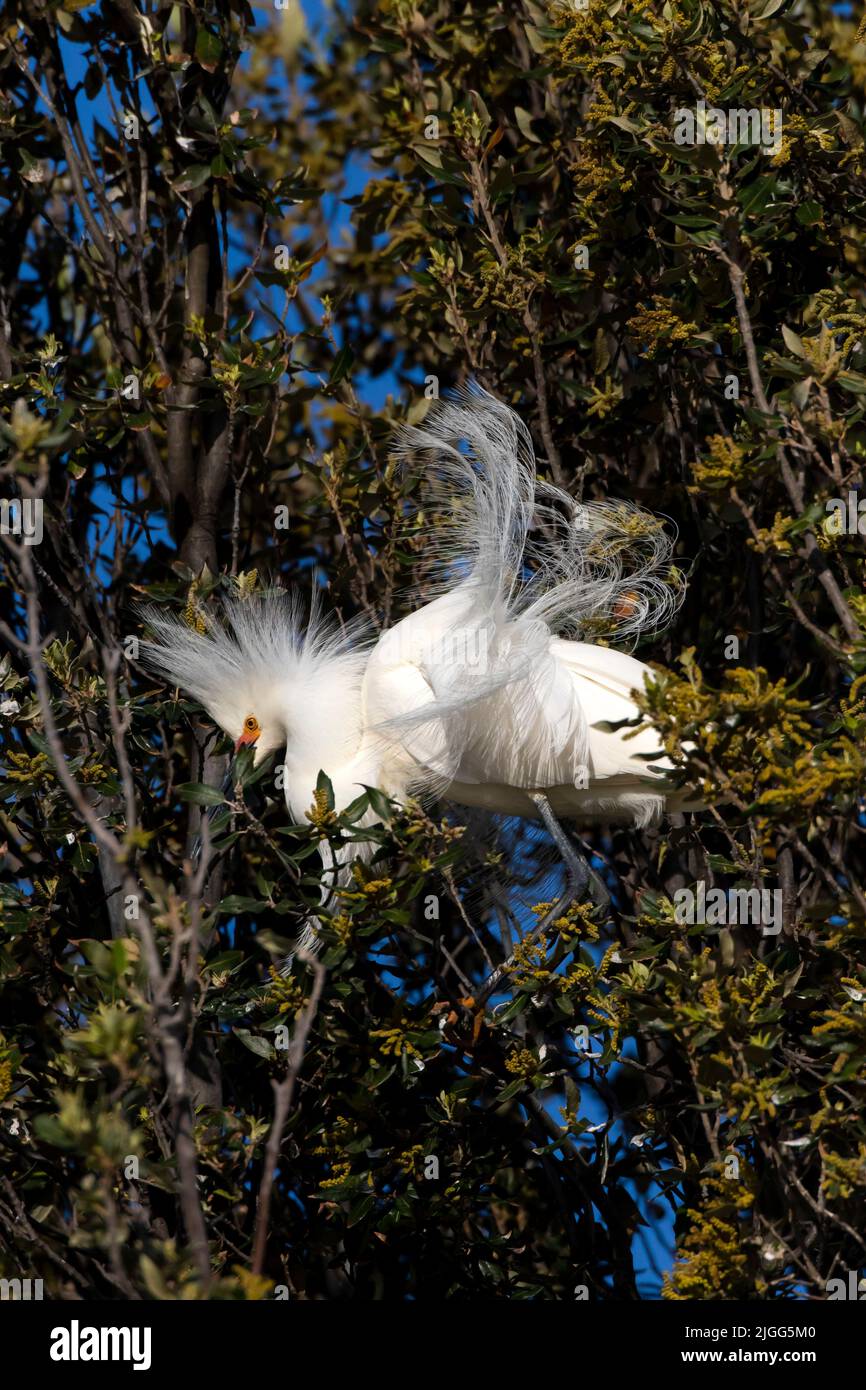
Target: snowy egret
x,y
482,693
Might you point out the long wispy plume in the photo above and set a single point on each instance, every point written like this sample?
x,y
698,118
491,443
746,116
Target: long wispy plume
x,y
596,568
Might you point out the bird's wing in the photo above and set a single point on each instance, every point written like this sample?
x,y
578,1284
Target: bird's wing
x,y
605,682
522,715
401,712
613,671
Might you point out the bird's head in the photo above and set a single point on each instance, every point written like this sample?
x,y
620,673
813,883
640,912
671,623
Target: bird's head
x,y
251,732
264,727
263,673
236,668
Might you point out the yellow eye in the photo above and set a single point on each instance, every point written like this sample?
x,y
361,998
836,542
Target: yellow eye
x,y
251,724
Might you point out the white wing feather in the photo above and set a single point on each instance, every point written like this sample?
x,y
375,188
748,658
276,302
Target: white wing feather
x,y
475,693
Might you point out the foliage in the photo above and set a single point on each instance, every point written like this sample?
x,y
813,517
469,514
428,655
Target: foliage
x,y
195,338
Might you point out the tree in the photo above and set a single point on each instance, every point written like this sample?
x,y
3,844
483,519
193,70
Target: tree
x,y
643,225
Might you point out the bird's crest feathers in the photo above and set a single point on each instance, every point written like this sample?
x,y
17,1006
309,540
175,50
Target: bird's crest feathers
x,y
261,655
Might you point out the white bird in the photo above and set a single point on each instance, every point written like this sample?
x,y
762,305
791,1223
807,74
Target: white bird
x,y
477,694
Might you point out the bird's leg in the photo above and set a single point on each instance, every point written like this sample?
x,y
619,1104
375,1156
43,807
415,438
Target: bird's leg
x,y
577,876
576,868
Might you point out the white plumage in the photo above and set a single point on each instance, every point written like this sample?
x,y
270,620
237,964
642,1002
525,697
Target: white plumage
x,y
481,693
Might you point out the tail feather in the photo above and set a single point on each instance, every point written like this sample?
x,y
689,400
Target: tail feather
x,y
478,466
592,569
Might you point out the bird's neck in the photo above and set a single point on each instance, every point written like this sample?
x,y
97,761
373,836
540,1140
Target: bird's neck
x,y
324,717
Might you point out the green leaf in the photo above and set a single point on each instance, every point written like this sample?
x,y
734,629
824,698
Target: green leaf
x,y
524,124
193,177
793,342
208,49
361,1208
236,903
356,809
227,960
809,213
379,803
200,795
324,786
260,1046
341,366
511,1089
